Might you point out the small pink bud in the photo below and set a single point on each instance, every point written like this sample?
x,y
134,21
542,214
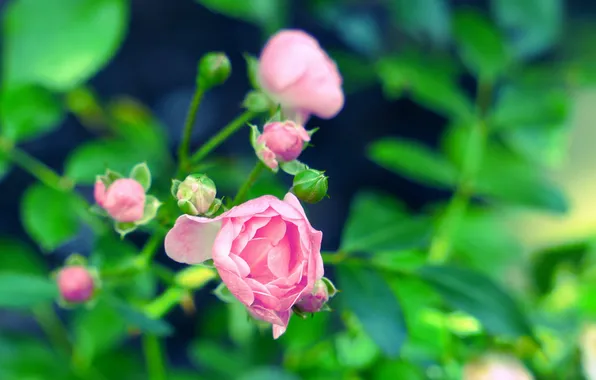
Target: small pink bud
x,y
99,192
285,139
314,301
76,284
267,156
125,200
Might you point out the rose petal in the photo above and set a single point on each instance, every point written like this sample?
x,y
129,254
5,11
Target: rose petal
x,y
252,207
274,231
191,240
243,268
237,286
251,228
278,331
278,259
266,315
222,245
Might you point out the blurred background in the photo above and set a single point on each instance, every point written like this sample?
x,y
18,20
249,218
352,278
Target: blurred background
x,y
413,74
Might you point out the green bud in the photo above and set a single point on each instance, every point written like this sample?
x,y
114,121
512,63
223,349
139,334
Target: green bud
x,y
214,70
196,194
310,185
257,101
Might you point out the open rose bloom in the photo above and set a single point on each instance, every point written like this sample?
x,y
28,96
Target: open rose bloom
x,y
265,250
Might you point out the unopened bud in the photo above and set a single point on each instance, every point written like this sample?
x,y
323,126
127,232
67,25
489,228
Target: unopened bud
x,y
76,284
214,70
317,299
257,101
124,199
196,194
310,185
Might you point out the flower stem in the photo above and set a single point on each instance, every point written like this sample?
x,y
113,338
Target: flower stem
x,y
191,116
35,167
53,328
252,177
154,358
440,247
222,135
165,302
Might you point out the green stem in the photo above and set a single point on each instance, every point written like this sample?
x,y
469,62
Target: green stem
x,y
440,247
223,134
252,177
53,328
150,248
35,167
191,116
165,302
154,358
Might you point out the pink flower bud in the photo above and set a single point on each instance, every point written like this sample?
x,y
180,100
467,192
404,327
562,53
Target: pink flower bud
x,y
99,192
314,301
299,75
285,139
267,156
124,200
75,284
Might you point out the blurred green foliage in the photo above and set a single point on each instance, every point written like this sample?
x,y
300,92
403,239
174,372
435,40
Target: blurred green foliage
x,y
401,313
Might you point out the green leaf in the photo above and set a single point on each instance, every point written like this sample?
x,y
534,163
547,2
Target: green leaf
x,y
5,165
366,294
142,175
431,81
377,222
530,107
138,133
28,112
97,331
63,43
252,69
397,369
94,157
534,25
414,161
483,242
293,167
18,257
268,373
480,44
480,297
423,18
27,358
139,319
221,360
152,205
23,291
356,351
49,216
504,177
269,14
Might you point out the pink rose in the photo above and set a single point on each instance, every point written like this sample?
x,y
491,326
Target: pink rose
x,y
265,251
281,141
124,199
299,75
75,284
